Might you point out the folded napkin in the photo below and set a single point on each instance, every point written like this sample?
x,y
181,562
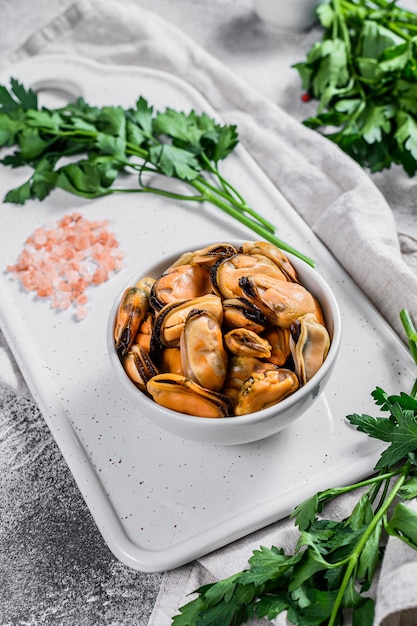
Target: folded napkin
x,y
339,201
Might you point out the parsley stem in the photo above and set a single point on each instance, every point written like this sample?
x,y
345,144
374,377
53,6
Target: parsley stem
x,y
167,194
374,480
341,22
354,557
134,150
250,223
235,198
241,206
395,28
383,495
230,193
411,333
225,183
208,196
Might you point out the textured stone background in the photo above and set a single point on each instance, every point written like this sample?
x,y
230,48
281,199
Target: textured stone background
x,y
54,565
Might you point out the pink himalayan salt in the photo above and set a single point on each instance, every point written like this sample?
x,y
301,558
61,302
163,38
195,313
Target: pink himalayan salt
x,y
61,261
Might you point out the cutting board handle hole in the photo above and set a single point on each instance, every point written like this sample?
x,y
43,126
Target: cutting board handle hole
x,y
55,93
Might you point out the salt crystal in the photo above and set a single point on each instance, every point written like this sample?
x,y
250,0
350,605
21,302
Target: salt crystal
x,y
61,261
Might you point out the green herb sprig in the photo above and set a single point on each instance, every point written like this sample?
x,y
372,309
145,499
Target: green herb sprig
x,y
363,72
111,141
333,565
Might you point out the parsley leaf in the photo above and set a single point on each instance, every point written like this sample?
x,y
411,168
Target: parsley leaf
x,y
377,427
17,98
88,151
403,524
174,161
404,440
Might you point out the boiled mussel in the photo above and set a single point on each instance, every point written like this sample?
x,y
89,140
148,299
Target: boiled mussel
x,y
223,331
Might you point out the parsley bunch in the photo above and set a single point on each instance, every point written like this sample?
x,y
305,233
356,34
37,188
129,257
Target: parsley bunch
x,y
334,562
364,74
88,150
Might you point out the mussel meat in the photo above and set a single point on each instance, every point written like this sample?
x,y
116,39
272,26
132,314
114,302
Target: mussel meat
x,y
260,391
279,340
203,357
281,301
309,343
179,393
170,320
144,334
274,253
132,309
139,366
170,361
180,283
226,274
240,369
244,342
240,313
206,256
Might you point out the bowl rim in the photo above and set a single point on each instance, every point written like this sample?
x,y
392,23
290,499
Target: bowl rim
x,y
249,418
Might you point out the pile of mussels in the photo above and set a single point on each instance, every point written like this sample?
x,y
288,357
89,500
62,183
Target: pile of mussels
x,y
222,332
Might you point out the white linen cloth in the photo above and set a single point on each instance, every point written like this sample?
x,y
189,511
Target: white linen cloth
x,y
336,198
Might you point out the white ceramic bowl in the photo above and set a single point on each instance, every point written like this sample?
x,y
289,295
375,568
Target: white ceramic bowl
x,y
245,428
